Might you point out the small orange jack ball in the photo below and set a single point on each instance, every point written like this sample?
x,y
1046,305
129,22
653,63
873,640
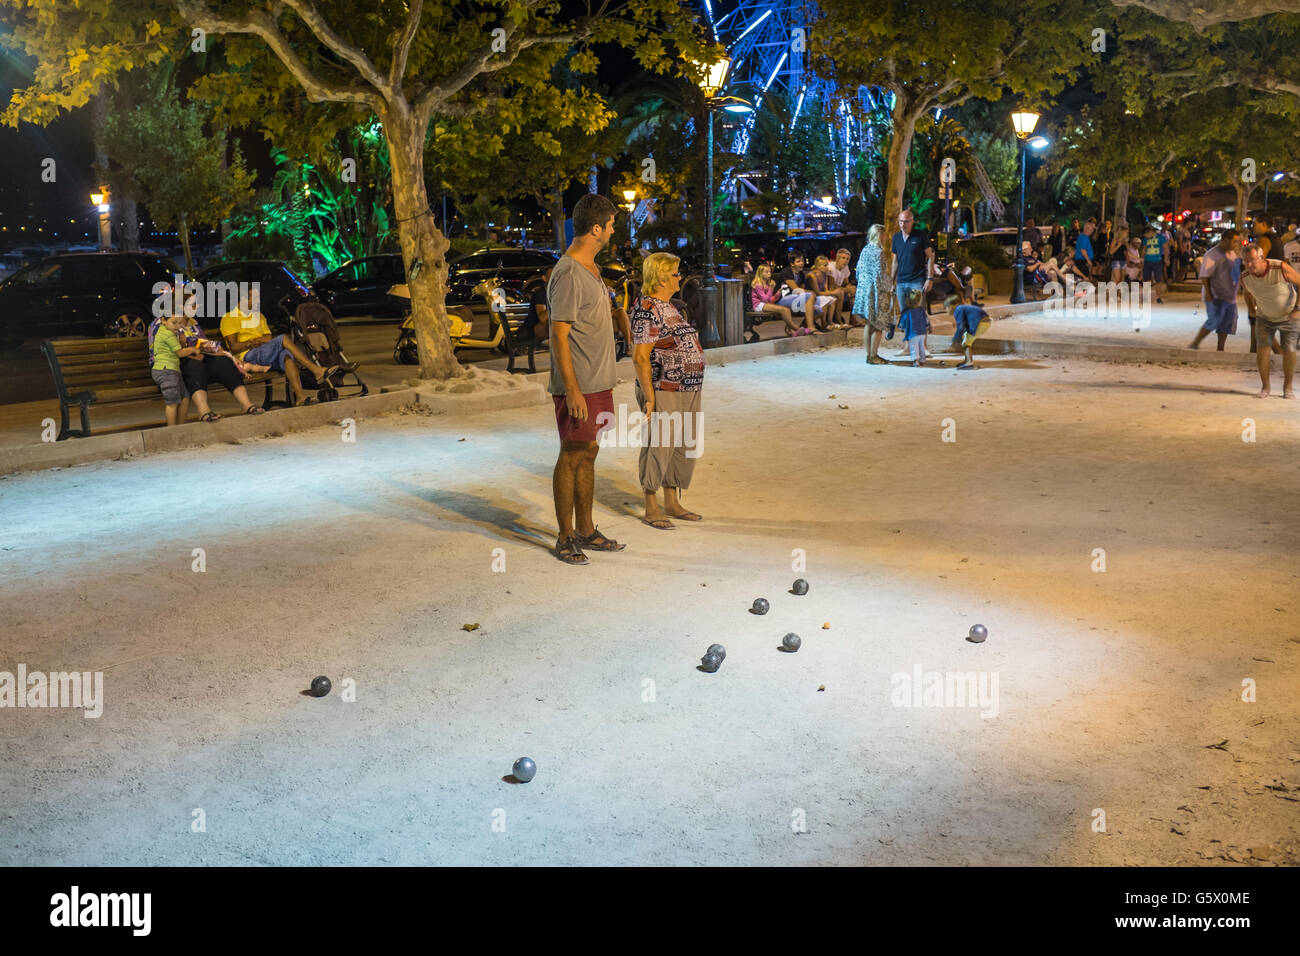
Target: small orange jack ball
x,y
826,626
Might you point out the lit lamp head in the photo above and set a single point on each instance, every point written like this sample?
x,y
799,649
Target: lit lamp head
x,y
629,196
1024,122
715,76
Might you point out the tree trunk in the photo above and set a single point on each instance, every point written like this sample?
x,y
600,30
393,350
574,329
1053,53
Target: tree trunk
x,y
130,225
555,206
422,244
905,117
184,228
1121,202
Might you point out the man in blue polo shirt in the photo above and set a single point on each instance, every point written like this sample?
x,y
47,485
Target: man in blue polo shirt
x,y
913,258
1083,251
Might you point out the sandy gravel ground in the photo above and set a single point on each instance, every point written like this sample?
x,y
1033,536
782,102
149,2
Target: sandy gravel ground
x,y
363,561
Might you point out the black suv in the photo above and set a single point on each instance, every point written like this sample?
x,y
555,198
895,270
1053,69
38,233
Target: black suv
x,y
103,293
361,286
520,272
276,283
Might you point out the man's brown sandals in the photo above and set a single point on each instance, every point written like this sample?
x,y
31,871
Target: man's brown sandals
x,y
598,542
569,551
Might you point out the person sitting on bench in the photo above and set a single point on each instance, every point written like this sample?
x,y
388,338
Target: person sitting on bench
x,y
536,327
247,335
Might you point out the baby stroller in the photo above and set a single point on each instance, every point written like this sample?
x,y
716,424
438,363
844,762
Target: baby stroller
x,y
317,334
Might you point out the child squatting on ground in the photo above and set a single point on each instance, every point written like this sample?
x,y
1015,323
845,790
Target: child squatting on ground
x,y
915,326
971,322
168,353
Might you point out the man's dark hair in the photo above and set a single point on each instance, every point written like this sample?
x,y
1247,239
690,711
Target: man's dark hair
x,y
1229,234
592,210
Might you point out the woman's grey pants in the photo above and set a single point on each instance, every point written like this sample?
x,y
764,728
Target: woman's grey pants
x,y
673,442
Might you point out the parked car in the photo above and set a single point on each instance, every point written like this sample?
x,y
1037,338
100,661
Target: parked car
x,y
276,283
520,272
361,286
89,295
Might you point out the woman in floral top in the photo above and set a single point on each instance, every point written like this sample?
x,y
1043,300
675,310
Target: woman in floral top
x,y
875,300
669,377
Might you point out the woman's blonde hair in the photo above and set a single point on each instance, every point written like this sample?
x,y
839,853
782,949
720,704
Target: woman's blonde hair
x,y
656,270
821,262
873,234
763,267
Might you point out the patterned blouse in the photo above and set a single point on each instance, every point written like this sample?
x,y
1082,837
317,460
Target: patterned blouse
x,y
676,361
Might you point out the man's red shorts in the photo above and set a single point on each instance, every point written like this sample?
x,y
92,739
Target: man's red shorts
x,y
573,430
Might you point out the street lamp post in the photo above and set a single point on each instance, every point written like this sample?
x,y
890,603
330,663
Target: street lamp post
x,y
1024,122
100,200
715,77
629,195
1276,177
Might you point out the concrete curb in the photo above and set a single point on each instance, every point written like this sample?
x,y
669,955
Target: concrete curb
x,y
273,424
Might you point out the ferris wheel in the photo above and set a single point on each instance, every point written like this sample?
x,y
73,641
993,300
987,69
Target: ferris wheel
x,y
766,40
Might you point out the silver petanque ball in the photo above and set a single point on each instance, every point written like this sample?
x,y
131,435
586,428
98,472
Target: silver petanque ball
x,y
717,649
791,642
978,634
760,606
800,587
525,769
710,663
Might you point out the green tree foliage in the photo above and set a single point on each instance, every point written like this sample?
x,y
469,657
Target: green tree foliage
x,y
943,54
177,167
303,70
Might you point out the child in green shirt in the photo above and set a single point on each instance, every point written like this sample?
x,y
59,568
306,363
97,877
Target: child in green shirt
x,y
168,353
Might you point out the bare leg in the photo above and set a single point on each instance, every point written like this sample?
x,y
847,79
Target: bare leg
x,y
1288,374
1200,335
673,505
241,396
184,410
652,510
564,484
302,359
584,490
295,381
1264,359
200,398
785,315
171,411
1223,340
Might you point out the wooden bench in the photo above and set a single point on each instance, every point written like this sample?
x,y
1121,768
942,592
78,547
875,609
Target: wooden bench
x,y
514,346
113,371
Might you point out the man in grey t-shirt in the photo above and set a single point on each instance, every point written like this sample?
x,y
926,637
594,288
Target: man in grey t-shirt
x,y
1219,270
582,375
